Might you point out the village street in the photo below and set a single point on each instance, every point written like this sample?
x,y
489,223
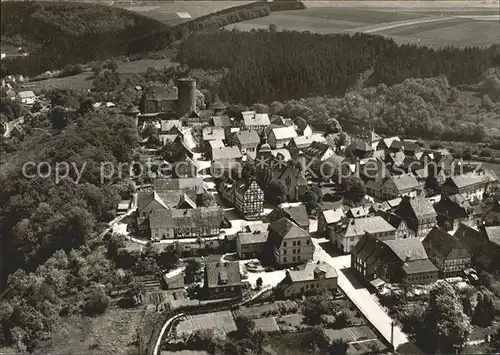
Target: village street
x,y
365,302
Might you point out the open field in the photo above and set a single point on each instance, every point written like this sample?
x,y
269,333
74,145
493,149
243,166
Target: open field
x,y
84,80
114,332
434,24
173,13
218,321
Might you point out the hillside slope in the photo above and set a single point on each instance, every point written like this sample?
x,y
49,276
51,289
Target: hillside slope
x,y
57,34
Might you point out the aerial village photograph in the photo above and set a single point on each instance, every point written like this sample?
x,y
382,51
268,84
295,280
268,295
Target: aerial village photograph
x,y
250,177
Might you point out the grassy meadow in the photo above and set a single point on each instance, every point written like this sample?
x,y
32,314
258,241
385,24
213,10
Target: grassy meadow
x,y
431,26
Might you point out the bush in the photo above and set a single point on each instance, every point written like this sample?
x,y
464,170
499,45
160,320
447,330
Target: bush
x,y
486,152
97,304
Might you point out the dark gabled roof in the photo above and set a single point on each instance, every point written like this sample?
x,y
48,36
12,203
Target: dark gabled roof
x,y
298,214
170,126
462,181
411,147
213,133
439,242
408,249
316,149
419,208
222,121
144,198
368,248
396,158
405,182
226,153
222,274
201,217
285,229
171,184
309,271
454,206
393,219
419,266
396,144
186,202
493,234
255,237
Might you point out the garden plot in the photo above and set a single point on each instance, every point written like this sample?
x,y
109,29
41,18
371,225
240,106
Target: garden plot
x,y
222,322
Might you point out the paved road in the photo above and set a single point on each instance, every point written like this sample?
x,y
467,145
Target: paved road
x,y
363,299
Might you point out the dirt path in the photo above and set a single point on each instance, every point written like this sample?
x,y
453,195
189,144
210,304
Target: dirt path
x,y
395,24
487,4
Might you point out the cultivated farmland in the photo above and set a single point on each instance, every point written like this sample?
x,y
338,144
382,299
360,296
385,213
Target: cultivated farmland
x,y
434,24
84,80
173,13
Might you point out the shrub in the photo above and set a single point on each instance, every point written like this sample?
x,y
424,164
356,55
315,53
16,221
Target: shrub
x,y
98,303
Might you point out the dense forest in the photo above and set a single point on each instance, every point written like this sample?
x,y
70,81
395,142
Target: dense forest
x,y
266,66
40,215
57,34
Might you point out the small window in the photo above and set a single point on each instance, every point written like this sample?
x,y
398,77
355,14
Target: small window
x,y
284,244
298,243
284,259
308,242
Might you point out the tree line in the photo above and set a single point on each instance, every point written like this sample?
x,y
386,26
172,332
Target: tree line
x,y
266,66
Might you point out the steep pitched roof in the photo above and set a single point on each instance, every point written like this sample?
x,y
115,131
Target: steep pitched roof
x,y
255,237
302,142
201,217
222,121
172,184
213,133
285,229
145,198
333,216
408,249
168,125
298,214
309,271
247,137
216,144
419,266
284,133
283,152
454,206
447,246
393,219
462,181
372,225
186,202
222,274
493,234
405,182
226,153
316,149
251,118
244,184
419,208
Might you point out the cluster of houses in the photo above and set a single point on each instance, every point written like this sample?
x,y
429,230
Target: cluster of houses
x,y
399,234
